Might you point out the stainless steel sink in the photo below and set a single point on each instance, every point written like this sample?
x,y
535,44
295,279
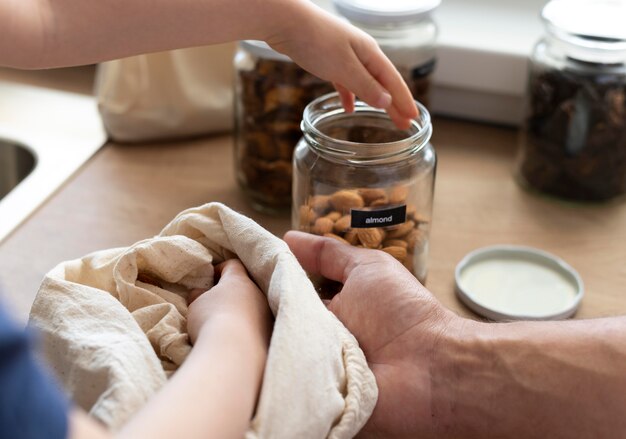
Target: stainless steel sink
x,y
16,162
45,136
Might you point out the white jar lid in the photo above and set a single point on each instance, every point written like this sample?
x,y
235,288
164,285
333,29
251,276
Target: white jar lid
x,y
507,282
592,19
385,11
263,50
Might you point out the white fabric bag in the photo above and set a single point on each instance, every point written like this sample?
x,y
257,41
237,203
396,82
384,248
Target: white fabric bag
x,y
113,327
167,95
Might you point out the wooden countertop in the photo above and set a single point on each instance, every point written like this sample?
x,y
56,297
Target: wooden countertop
x,y
127,193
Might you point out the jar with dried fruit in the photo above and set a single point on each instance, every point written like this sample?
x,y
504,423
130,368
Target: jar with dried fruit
x,y
573,144
406,33
362,181
271,92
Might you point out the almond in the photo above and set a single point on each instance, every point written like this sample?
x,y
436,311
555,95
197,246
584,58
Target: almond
x,y
411,211
395,243
336,237
320,203
352,237
416,239
307,216
370,238
342,224
322,226
397,252
345,200
370,195
420,219
398,195
401,231
333,216
381,202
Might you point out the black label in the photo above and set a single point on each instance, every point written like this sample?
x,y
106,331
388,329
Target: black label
x,y
364,219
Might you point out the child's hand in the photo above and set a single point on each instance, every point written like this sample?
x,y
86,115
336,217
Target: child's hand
x,y
235,298
338,52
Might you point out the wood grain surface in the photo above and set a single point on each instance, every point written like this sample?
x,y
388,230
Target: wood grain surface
x,y
129,192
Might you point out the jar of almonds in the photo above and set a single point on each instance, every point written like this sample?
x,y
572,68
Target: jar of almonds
x,y
362,181
271,92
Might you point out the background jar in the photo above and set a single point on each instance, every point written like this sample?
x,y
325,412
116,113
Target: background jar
x,y
406,33
362,181
573,142
271,92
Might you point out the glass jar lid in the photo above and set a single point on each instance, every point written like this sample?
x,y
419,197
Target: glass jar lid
x,y
594,25
263,50
386,12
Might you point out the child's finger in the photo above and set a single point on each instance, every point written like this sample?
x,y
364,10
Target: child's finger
x,y
389,78
230,270
398,119
347,100
365,86
346,96
224,273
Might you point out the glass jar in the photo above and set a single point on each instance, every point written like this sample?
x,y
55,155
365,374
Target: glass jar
x,y
573,143
362,181
271,92
406,33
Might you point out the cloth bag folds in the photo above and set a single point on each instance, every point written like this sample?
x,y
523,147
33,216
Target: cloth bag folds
x,y
113,327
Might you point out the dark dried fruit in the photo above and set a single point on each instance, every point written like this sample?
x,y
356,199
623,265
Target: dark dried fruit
x,y
271,99
574,142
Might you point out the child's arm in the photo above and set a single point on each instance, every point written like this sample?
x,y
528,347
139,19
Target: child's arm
x,y
214,392
55,33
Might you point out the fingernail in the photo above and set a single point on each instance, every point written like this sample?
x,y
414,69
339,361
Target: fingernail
x,y
384,100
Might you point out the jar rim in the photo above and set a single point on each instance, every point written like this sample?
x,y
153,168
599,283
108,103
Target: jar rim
x,y
332,107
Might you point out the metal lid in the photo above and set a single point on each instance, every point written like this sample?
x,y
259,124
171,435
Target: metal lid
x,y
597,20
507,282
263,50
385,12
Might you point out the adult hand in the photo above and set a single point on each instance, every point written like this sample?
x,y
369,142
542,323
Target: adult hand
x,y
235,297
338,52
396,321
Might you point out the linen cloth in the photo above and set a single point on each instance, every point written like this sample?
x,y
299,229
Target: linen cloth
x,y
113,327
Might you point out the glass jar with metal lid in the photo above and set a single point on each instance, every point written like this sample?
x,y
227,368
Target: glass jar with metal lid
x,y
364,182
574,139
271,92
406,33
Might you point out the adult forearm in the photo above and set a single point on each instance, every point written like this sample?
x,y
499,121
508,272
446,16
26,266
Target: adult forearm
x,y
547,379
51,33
